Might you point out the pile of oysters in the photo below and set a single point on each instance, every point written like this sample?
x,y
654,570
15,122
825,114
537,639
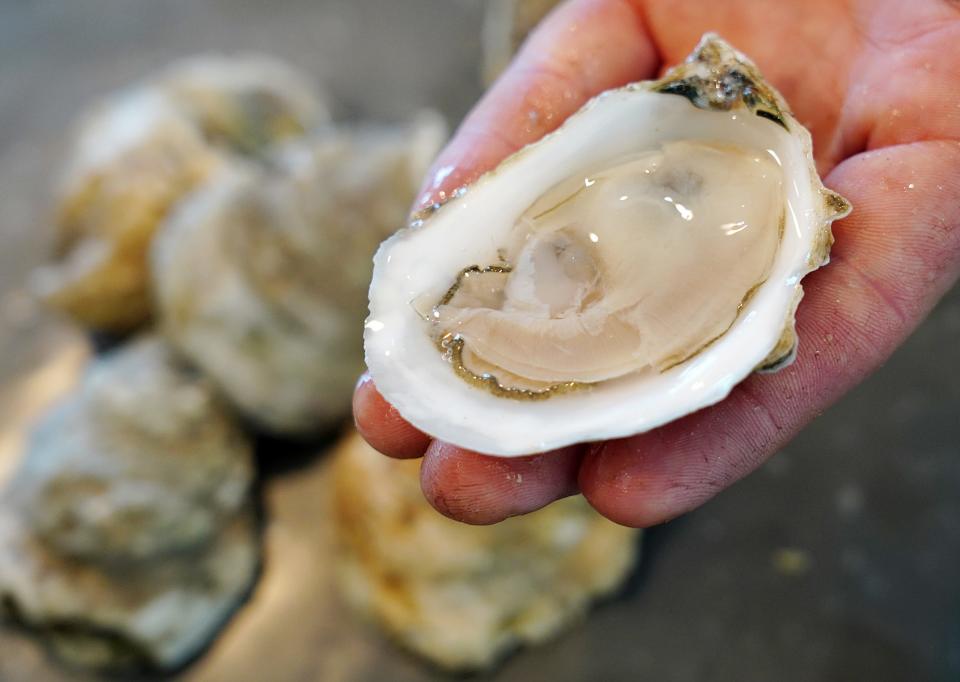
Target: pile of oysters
x,y
216,228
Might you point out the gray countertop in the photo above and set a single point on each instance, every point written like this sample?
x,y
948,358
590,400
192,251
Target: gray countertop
x,y
836,561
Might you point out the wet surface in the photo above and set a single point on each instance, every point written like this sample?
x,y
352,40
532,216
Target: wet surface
x,y
837,561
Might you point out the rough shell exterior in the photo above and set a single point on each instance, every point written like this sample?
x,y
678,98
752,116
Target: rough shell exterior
x,y
127,536
261,276
463,596
121,617
138,153
143,459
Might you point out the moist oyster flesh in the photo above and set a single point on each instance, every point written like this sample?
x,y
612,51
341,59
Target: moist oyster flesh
x,y
626,270
640,264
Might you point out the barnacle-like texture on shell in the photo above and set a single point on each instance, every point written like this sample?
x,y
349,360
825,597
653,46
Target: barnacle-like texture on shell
x,y
142,459
244,102
140,152
624,271
261,277
118,617
127,535
463,596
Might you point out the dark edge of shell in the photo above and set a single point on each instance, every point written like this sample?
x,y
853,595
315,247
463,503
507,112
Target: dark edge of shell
x,y
718,78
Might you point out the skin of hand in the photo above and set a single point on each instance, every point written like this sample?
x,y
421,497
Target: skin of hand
x,y
877,82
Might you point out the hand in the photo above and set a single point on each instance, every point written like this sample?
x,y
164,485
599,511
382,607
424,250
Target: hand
x,y
878,84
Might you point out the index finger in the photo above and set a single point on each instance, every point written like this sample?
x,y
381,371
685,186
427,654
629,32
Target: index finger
x,y
583,48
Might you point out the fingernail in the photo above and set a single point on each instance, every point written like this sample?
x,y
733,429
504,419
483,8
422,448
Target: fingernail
x,y
364,378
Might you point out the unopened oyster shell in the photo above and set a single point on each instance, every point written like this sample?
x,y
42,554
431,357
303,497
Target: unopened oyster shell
x,y
244,103
128,535
140,152
142,459
624,271
464,596
261,276
156,615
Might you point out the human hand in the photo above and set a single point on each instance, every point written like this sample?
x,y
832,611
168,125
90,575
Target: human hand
x,y
878,85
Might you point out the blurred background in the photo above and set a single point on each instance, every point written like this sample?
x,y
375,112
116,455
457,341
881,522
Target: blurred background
x,y
838,560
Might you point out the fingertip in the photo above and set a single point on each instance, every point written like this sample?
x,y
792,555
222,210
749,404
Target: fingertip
x,y
551,77
482,489
382,426
613,481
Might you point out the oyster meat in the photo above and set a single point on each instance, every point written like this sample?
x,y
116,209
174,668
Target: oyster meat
x,y
622,272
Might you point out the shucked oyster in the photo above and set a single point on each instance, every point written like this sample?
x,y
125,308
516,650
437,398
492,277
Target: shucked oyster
x,y
624,271
261,276
140,152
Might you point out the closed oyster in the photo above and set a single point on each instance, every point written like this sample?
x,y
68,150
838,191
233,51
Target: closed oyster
x,y
133,161
142,459
127,535
245,102
624,271
139,153
261,277
463,596
155,615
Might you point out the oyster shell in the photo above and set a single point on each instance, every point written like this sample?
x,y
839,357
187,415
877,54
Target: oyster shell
x,y
624,271
142,459
463,596
128,535
155,615
244,102
261,276
139,153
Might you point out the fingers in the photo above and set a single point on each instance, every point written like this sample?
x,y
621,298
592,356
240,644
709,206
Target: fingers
x,y
906,79
481,489
583,48
894,257
804,49
382,426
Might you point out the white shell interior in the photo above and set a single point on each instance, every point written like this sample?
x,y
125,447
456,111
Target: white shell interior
x,y
412,374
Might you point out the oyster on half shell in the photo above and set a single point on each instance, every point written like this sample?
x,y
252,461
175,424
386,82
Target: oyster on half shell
x,y
624,271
